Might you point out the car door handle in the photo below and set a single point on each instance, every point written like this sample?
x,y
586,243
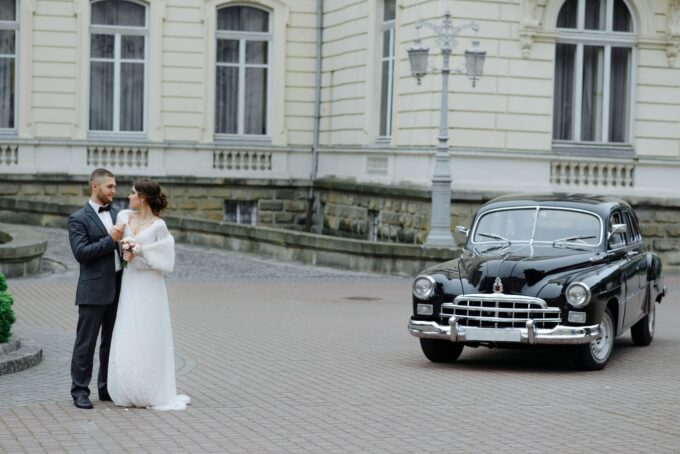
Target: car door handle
x,y
630,254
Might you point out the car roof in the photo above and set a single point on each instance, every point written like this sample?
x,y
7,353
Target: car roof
x,y
602,205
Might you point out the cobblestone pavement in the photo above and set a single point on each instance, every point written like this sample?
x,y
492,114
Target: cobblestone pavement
x,y
284,357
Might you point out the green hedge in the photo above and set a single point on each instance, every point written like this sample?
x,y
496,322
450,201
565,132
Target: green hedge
x,y
7,317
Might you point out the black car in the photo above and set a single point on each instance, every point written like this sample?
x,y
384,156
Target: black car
x,y
556,269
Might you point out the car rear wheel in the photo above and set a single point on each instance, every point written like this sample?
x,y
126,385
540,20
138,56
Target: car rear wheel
x,y
643,331
594,356
441,351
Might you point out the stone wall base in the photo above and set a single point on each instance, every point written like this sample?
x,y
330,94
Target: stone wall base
x,y
359,255
338,208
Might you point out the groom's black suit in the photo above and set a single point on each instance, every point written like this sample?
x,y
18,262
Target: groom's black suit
x,y
96,296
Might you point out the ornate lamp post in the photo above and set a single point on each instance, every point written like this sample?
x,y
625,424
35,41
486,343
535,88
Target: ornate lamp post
x,y
440,224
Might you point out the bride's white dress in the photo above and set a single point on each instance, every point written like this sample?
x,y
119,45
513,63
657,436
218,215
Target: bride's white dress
x,y
141,361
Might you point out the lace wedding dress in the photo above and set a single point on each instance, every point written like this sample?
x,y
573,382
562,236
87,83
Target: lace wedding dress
x,y
141,361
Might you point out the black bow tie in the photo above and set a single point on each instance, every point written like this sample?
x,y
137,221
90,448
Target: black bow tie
x,y
104,208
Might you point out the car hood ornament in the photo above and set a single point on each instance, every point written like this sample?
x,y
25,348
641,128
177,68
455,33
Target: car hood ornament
x,y
498,285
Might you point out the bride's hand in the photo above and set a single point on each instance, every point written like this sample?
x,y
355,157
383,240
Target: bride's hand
x,y
128,256
117,232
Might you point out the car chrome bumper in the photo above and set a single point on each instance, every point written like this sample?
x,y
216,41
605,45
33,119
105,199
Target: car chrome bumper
x,y
528,335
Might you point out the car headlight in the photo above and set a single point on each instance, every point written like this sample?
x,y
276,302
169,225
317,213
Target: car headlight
x,y
423,287
578,294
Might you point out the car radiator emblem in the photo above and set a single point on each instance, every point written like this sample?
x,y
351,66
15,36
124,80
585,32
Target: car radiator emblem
x,y
497,285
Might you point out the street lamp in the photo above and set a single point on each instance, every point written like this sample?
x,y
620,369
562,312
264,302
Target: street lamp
x,y
440,224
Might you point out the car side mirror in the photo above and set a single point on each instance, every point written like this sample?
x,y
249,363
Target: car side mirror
x,y
461,235
617,228
463,230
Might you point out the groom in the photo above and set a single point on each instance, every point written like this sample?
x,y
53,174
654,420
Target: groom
x,y
93,236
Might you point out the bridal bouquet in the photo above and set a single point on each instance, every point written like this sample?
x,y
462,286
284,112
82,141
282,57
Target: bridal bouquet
x,y
129,244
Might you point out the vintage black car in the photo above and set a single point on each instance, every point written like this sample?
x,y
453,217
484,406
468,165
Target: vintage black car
x,y
557,269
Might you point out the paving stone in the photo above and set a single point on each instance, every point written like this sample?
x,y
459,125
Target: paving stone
x,y
283,357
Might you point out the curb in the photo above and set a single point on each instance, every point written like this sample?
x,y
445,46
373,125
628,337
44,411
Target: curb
x,y
19,354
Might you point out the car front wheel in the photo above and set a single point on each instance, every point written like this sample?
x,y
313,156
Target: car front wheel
x,y
594,356
441,351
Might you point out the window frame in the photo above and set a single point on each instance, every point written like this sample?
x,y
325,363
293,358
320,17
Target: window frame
x,y
118,31
624,236
241,208
15,26
386,26
537,209
242,37
608,39
634,235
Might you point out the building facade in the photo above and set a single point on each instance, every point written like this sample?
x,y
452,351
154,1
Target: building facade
x,y
291,113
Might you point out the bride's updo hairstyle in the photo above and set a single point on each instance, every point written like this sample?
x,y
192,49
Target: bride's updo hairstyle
x,y
151,192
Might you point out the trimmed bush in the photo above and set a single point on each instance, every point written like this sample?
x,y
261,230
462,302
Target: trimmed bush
x,y
7,317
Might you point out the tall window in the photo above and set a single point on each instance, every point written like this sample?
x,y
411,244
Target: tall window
x,y
117,66
593,66
242,71
387,67
8,59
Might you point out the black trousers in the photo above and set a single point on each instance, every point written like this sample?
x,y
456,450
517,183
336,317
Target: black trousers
x,y
91,319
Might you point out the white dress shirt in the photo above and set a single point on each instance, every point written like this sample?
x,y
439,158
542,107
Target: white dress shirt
x,y
105,217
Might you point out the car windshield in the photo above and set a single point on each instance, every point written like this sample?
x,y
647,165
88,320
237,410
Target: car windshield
x,y
558,226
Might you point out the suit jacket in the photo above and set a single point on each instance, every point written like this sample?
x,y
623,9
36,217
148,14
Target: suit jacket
x,y
94,249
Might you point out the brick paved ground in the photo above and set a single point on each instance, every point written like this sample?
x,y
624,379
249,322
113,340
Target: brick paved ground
x,y
282,357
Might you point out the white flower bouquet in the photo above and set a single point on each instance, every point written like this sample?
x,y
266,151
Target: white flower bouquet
x,y
129,244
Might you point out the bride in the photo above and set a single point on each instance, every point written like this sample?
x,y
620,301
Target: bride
x,y
141,362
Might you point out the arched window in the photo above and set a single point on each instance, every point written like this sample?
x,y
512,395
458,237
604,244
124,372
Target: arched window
x,y
593,72
118,31
387,66
242,71
9,27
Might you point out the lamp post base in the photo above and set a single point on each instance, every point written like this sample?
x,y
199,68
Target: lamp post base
x,y
440,238
440,221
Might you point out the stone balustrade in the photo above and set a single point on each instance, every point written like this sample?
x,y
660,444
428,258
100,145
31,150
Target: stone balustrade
x,y
9,155
258,161
591,174
118,157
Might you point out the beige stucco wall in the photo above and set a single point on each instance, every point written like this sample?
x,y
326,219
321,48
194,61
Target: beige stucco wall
x,y
180,66
500,130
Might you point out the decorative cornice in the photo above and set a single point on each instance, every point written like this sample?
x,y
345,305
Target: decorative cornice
x,y
162,9
529,24
673,31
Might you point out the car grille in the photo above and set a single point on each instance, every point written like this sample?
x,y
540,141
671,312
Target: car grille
x,y
500,311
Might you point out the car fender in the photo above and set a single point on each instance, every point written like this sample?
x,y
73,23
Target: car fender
x,y
604,282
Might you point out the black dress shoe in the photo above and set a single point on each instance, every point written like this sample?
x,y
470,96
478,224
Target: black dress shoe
x,y
82,401
104,396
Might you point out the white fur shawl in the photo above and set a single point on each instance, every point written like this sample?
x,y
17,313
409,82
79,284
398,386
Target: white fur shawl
x,y
160,255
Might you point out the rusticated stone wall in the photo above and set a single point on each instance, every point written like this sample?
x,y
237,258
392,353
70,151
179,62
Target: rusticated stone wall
x,y
660,226
406,259
279,204
340,208
398,215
